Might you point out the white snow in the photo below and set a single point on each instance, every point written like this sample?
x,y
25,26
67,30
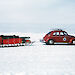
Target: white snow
x,y
38,59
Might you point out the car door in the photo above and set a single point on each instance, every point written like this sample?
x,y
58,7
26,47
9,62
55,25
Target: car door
x,y
64,37
67,37
56,37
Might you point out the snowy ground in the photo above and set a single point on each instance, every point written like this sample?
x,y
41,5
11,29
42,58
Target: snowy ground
x,y
38,59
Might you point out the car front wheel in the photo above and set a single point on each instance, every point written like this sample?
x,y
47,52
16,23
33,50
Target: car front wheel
x,y
73,42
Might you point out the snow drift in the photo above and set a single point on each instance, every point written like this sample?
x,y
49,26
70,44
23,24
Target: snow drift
x,y
38,59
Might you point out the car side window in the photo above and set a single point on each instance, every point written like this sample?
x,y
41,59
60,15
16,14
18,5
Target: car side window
x,y
61,33
56,34
65,33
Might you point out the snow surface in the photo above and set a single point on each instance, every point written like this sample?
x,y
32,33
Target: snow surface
x,y
38,59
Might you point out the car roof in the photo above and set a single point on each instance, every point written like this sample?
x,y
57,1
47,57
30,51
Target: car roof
x,y
58,31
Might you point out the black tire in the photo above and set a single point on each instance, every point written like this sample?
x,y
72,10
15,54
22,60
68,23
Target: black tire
x,y
73,42
50,42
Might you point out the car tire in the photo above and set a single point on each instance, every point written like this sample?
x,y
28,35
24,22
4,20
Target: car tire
x,y
50,42
73,42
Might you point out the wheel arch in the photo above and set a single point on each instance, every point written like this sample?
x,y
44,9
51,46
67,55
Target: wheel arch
x,y
48,41
71,40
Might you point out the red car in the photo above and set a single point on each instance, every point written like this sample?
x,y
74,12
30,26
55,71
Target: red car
x,y
58,36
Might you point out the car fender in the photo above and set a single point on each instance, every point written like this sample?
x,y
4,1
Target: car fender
x,y
48,39
71,40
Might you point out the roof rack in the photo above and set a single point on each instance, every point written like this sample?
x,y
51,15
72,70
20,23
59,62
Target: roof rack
x,y
57,29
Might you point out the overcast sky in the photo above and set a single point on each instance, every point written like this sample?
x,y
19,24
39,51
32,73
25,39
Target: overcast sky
x,y
36,15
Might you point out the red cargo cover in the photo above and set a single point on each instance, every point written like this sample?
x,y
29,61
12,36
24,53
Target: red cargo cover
x,y
12,41
0,40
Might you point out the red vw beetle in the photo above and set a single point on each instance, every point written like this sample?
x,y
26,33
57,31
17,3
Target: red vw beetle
x,y
58,36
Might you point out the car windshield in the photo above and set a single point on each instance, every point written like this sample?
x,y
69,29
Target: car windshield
x,y
65,33
48,33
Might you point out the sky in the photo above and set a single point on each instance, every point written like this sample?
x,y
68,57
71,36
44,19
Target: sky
x,y
36,15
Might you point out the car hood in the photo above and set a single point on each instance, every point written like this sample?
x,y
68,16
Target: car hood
x,y
72,36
